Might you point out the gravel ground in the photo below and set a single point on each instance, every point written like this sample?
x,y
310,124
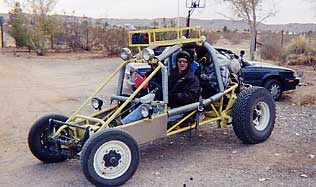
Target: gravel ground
x,y
32,87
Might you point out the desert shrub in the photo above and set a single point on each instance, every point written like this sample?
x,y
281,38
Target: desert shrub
x,y
244,35
307,99
211,37
298,46
233,37
271,48
299,53
301,59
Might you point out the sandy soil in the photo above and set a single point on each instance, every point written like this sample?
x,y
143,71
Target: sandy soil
x,y
31,87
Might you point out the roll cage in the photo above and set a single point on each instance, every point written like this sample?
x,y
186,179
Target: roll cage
x,y
219,105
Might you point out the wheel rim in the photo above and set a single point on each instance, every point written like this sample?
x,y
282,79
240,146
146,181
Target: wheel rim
x,y
51,147
261,116
275,90
112,159
48,146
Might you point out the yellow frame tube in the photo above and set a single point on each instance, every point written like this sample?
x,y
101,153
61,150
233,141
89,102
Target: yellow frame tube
x,y
193,126
91,119
178,40
99,112
73,116
97,91
131,97
221,113
165,30
181,121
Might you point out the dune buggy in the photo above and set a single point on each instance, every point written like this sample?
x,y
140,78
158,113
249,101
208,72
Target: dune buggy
x,y
108,151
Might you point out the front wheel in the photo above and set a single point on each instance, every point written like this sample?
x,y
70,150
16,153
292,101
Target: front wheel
x,y
39,143
253,115
110,158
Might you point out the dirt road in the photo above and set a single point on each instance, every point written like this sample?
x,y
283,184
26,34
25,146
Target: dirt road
x,y
32,87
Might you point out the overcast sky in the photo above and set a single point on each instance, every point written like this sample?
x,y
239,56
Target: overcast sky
x,y
289,11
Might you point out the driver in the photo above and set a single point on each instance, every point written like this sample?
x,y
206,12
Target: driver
x,y
184,88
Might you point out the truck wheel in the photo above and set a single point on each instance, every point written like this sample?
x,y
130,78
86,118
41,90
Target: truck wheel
x,y
110,157
275,88
253,115
38,140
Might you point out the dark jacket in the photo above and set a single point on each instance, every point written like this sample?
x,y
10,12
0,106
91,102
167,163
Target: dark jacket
x,y
184,88
209,81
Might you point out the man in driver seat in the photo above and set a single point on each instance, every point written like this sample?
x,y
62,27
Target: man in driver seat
x,y
183,86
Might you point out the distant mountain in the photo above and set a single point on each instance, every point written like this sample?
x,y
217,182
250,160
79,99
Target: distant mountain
x,y
219,24
215,24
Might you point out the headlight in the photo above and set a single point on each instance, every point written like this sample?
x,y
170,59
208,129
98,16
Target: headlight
x,y
203,38
298,74
97,103
125,53
148,54
146,111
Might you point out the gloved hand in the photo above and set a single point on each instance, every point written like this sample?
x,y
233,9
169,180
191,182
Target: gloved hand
x,y
203,76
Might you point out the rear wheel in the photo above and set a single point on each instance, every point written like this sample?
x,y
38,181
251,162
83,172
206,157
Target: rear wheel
x,y
253,115
275,88
110,158
38,141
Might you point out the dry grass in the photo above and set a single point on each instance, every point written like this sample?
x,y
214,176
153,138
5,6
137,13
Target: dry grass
x,y
307,99
271,49
300,97
305,94
301,59
299,45
234,37
211,37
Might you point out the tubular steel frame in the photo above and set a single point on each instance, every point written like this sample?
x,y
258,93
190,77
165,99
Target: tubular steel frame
x,y
218,113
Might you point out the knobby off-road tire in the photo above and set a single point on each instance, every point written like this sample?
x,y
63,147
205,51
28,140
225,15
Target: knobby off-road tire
x,y
110,157
253,115
275,88
38,143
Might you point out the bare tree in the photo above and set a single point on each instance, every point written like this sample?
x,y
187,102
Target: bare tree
x,y
252,12
41,25
313,3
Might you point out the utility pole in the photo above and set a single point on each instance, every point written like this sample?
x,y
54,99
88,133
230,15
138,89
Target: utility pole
x,y
1,31
178,24
282,38
86,20
192,5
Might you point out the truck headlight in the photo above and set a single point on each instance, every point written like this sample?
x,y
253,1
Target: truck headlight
x,y
97,103
148,54
298,74
125,53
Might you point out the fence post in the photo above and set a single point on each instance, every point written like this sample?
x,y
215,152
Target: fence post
x,y
282,38
1,31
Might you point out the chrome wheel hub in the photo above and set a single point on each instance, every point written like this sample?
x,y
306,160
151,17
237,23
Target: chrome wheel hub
x,y
275,90
261,116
